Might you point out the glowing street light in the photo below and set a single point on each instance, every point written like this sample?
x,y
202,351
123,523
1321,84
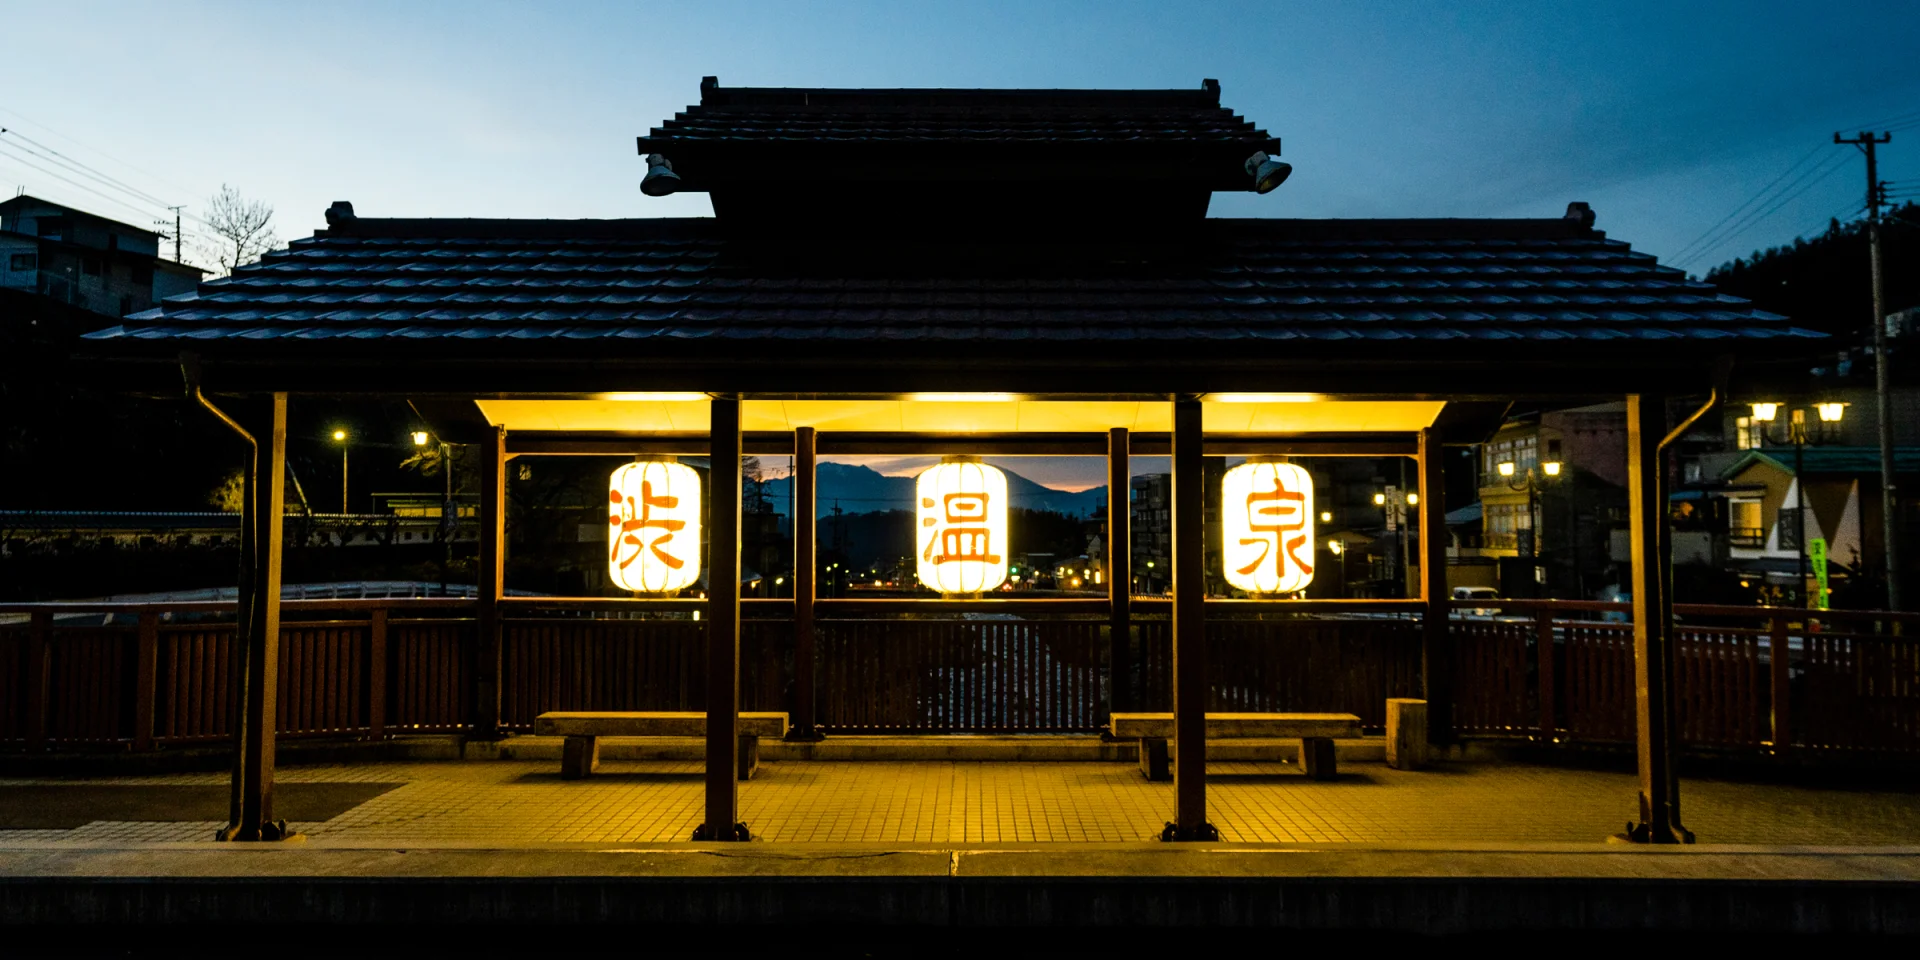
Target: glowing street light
x,y
419,438
340,437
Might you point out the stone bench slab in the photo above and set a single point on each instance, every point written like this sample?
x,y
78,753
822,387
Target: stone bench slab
x,y
1141,726
651,724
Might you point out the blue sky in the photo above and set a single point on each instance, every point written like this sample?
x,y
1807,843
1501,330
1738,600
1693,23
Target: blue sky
x,y
1664,116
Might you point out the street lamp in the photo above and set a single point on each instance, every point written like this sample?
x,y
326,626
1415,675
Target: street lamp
x,y
1829,412
449,514
1518,479
340,437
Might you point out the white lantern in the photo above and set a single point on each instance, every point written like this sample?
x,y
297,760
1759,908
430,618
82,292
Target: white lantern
x,y
1266,523
653,526
963,527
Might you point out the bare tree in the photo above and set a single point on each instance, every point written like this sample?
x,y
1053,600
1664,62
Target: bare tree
x,y
242,230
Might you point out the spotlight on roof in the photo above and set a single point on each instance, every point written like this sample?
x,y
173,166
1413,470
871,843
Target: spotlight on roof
x,y
1267,172
660,179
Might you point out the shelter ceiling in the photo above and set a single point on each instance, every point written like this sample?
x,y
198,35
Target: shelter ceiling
x,y
942,416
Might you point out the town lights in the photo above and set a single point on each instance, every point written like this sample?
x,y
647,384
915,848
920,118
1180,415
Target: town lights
x,y
1379,499
1831,412
1765,412
653,526
1266,517
1336,547
419,438
961,508
1551,468
1413,499
1504,468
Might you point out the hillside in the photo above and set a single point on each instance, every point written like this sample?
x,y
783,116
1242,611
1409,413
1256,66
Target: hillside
x,y
1823,283
861,489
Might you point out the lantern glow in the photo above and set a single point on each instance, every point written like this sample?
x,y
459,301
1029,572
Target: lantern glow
x,y
962,528
1266,525
653,526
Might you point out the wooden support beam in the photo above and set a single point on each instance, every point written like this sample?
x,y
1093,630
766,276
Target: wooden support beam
x,y
39,676
490,585
145,676
723,626
1119,573
262,678
1436,650
805,550
377,674
1189,630
1653,653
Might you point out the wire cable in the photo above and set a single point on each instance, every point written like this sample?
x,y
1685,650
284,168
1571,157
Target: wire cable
x,y
52,132
75,183
1761,217
1797,164
23,142
1719,236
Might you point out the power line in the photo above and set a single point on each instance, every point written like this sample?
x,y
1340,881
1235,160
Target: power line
x,y
52,132
147,213
1797,164
54,156
1818,174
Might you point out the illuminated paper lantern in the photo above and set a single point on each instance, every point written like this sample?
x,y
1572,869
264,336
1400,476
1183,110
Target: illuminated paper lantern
x,y
1266,523
963,527
653,526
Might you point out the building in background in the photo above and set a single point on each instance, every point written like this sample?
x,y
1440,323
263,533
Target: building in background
x,y
1552,491
83,260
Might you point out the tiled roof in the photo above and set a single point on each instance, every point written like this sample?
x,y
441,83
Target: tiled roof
x,y
1821,460
647,282
767,115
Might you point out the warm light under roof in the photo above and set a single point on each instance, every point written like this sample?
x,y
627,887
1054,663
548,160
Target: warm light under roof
x,y
644,413
963,397
652,397
1263,398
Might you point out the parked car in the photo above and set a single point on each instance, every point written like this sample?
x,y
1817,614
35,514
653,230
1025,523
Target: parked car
x,y
1472,594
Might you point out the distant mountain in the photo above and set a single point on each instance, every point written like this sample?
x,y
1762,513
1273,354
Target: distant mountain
x,y
860,489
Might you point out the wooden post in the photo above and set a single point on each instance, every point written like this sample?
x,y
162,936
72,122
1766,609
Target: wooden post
x,y
1436,649
805,561
1652,624
1780,666
145,675
1189,630
1544,674
1119,562
263,660
39,676
377,675
490,584
723,625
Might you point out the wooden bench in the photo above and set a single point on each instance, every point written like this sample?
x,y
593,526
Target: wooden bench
x,y
583,730
1315,731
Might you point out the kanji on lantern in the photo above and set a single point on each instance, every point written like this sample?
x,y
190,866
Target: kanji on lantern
x,y
962,513
653,526
1266,523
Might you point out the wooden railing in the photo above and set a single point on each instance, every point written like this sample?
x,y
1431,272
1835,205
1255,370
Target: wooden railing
x,y
1562,672
118,676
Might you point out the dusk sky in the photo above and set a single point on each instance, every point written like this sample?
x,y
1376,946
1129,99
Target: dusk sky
x,y
1666,117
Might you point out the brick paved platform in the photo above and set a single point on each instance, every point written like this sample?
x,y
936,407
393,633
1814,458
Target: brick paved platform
x,y
525,802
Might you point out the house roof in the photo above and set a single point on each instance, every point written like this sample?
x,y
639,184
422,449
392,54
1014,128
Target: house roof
x,y
1825,460
1260,280
1252,292
762,115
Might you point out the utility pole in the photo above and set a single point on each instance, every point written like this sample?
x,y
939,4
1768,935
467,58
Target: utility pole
x,y
176,233
1883,402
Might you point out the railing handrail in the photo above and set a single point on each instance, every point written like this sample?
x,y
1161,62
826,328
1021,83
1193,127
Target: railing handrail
x,y
221,606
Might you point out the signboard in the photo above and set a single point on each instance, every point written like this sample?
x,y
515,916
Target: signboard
x,y
961,509
1266,526
1817,558
653,526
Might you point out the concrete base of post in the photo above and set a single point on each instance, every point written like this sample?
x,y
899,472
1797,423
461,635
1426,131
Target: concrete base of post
x,y
1407,747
